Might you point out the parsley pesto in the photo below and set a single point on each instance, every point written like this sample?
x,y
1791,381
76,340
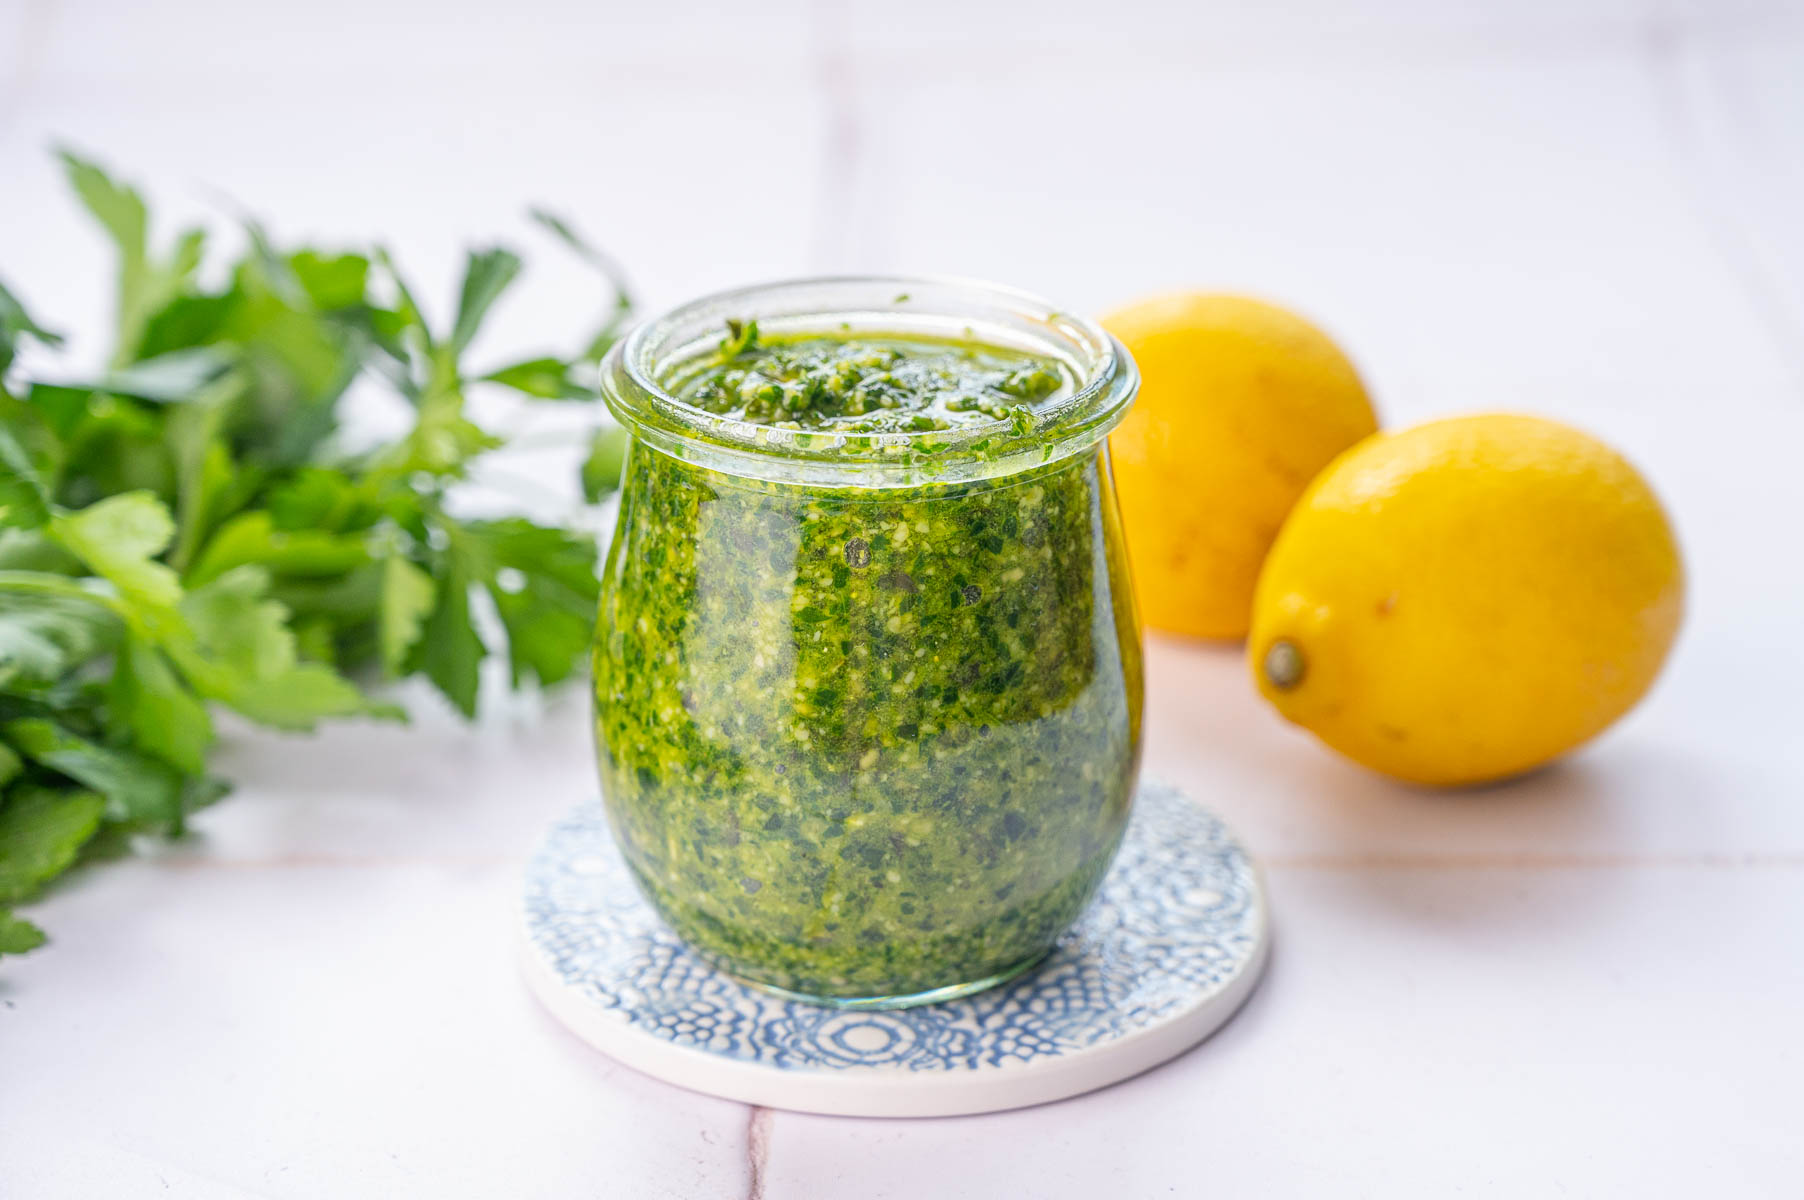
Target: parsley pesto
x,y
868,384
862,743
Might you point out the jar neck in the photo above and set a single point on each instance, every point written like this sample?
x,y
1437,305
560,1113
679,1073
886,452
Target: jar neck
x,y
1106,381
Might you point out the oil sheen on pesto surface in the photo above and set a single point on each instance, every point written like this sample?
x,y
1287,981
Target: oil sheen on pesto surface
x,y
867,742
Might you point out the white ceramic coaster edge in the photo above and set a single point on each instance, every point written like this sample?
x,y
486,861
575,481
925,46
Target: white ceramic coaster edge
x,y
962,1094
591,1006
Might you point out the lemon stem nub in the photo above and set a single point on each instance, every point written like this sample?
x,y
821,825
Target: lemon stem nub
x,y
1284,665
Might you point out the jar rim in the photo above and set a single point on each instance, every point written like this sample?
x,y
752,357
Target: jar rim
x,y
1106,382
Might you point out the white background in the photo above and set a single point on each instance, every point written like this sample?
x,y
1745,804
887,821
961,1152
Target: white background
x,y
1587,983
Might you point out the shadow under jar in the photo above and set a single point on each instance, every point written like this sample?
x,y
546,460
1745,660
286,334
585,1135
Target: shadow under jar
x,y
867,669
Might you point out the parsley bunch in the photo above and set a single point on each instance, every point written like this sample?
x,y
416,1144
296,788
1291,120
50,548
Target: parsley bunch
x,y
183,532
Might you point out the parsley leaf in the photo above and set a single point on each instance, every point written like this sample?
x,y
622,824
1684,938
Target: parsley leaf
x,y
602,470
244,655
119,539
543,587
41,829
487,274
162,713
24,501
545,378
183,528
138,789
17,936
450,649
44,637
15,324
409,595
145,285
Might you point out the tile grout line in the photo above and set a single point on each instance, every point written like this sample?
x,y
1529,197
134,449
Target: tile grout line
x,y
757,1149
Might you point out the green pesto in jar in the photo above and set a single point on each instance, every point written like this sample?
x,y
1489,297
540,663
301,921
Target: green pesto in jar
x,y
868,384
867,742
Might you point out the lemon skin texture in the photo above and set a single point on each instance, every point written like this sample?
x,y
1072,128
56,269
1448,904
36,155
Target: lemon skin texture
x,y
1241,403
1468,599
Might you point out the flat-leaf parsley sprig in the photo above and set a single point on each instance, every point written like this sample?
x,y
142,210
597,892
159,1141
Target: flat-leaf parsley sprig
x,y
180,531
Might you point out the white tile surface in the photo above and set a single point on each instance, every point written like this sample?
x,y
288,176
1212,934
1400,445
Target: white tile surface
x,y
431,134
1474,243
299,1028
1423,1031
1585,983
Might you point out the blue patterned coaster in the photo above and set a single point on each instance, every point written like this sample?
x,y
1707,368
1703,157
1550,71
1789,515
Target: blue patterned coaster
x,y
1172,945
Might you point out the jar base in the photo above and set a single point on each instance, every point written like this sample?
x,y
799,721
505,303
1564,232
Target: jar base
x,y
1169,951
936,995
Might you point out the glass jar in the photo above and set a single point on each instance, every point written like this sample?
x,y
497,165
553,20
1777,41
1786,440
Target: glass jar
x,y
868,705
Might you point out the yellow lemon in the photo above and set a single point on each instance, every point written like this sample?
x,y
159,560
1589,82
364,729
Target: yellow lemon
x,y
1241,403
1468,599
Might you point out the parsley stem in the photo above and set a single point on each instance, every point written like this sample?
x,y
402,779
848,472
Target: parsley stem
x,y
43,583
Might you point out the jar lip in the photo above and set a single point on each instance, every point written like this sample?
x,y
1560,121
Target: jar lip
x,y
1106,382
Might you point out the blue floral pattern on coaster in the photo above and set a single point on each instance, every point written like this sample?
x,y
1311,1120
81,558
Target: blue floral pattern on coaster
x,y
1179,916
